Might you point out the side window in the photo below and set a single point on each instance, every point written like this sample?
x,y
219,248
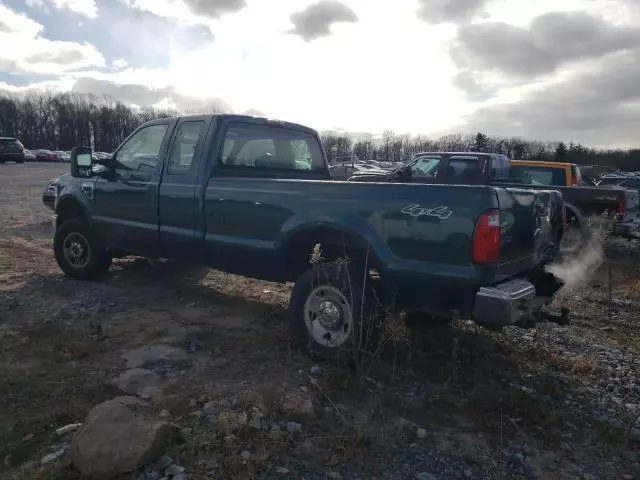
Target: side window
x,y
183,148
248,146
425,167
141,151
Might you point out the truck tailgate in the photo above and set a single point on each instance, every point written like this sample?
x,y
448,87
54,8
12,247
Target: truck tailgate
x,y
531,224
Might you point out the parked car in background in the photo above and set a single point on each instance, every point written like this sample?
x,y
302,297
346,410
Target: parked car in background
x,y
11,150
628,181
62,156
43,155
29,156
346,170
100,156
547,173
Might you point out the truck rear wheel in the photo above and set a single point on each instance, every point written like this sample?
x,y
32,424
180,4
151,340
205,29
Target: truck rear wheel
x,y
334,316
575,237
78,253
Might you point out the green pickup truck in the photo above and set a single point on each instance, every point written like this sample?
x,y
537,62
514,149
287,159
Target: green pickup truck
x,y
253,196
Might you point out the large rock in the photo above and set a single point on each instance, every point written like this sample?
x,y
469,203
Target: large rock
x,y
118,437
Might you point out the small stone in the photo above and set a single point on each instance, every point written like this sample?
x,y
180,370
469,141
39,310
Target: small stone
x,y
256,422
422,433
426,476
209,407
52,457
315,370
164,414
298,403
294,427
246,455
68,428
304,389
174,470
282,471
468,473
180,476
163,462
334,475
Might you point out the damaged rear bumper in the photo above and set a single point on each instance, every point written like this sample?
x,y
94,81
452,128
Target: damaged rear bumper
x,y
515,301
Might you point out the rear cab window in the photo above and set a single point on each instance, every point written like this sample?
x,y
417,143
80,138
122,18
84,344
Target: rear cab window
x,y
539,175
270,150
463,169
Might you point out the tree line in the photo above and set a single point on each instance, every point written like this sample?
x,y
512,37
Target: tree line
x,y
61,121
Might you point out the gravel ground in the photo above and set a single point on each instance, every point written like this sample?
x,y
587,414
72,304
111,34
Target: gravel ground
x,y
462,402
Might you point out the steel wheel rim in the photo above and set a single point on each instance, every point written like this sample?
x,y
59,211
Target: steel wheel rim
x,y
328,316
76,250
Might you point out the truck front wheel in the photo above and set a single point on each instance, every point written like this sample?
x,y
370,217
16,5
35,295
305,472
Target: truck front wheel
x,y
334,315
78,253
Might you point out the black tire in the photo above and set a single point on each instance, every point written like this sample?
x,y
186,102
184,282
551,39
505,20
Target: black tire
x,y
94,265
356,329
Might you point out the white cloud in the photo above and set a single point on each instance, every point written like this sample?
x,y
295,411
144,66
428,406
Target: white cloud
x,y
31,53
388,70
88,8
119,63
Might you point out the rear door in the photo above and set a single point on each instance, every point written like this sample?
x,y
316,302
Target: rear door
x,y
179,232
125,207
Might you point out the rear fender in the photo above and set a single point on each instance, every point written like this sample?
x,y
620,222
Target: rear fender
x,y
353,228
575,211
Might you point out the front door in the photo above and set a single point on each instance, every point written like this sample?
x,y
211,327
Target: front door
x,y
180,234
126,205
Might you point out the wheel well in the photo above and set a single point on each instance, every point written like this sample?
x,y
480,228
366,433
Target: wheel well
x,y
572,216
334,244
68,209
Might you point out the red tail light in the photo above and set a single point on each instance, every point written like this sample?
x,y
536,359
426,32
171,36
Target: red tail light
x,y
622,207
486,238
574,181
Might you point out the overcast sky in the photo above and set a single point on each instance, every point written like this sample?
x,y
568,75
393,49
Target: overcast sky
x,y
543,69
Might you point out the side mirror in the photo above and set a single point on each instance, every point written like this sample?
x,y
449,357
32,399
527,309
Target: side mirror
x,y
81,162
